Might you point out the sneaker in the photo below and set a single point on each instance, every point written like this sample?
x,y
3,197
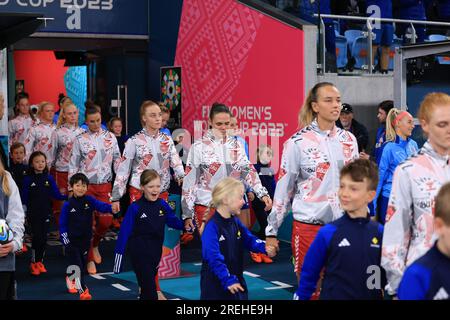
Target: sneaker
x,y
265,258
34,269
41,267
161,296
71,288
97,256
91,269
256,257
85,295
186,238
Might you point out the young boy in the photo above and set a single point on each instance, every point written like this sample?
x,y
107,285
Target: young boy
x,y
75,227
428,278
18,168
349,247
18,171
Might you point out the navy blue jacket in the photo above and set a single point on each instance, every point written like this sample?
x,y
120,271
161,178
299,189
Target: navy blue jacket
x,y
76,218
223,243
18,172
267,177
345,248
143,227
37,193
428,278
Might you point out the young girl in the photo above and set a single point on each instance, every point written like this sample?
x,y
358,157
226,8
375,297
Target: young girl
x,y
143,228
39,188
223,241
399,146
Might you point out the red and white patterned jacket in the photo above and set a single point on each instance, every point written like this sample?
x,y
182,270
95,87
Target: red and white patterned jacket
x,y
309,173
94,154
18,128
143,151
409,231
209,161
39,138
63,139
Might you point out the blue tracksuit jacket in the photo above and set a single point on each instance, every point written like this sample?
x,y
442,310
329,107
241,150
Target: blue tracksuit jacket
x,y
37,192
428,278
75,223
345,248
223,243
143,229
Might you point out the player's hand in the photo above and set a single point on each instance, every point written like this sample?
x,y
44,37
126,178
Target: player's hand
x,y
5,249
115,207
364,155
251,196
188,225
180,182
271,251
235,288
268,202
272,242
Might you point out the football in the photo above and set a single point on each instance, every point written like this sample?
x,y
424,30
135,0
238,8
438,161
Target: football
x,y
6,234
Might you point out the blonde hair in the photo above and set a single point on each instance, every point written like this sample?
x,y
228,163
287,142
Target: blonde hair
x,y
430,102
5,181
223,189
42,105
307,114
391,134
149,175
144,107
67,103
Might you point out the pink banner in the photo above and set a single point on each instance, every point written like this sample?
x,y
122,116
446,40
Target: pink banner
x,y
230,53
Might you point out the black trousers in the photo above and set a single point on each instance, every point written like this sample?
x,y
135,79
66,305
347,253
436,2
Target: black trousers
x,y
39,229
145,257
261,215
76,253
7,285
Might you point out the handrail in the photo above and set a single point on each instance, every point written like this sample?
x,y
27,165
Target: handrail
x,y
369,21
433,23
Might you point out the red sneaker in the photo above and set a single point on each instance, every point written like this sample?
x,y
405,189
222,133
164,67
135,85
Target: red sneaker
x,y
41,267
256,257
186,238
265,258
85,295
34,269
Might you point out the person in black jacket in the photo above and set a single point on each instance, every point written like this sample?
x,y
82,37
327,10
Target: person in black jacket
x,y
349,248
75,228
347,122
39,188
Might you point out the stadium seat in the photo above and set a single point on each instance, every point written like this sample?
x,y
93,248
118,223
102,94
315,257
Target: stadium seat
x,y
341,51
359,52
439,37
351,35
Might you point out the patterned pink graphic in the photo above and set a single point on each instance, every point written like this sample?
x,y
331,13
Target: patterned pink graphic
x,y
214,42
169,265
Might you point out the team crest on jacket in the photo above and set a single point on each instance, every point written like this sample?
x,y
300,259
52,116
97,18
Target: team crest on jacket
x,y
161,213
426,184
